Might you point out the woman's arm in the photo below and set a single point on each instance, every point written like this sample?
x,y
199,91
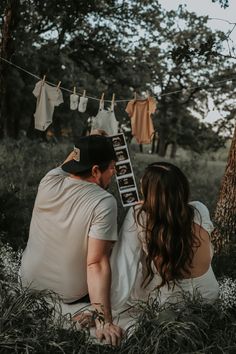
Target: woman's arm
x,y
124,261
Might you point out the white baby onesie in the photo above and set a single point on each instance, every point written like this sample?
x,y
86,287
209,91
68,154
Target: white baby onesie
x,y
74,99
47,98
83,104
105,120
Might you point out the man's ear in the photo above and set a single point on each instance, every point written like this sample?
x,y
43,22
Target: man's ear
x,y
95,171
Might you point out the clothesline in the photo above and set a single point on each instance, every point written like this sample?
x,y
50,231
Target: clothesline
x,y
123,100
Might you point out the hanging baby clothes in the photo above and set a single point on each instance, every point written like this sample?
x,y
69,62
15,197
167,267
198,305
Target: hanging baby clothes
x,y
105,120
140,112
83,104
47,98
74,99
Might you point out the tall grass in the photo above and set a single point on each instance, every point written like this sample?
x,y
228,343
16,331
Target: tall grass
x,y
32,322
22,164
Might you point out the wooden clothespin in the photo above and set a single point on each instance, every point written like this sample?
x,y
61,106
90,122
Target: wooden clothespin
x,y
44,78
101,104
74,90
58,85
84,93
135,95
147,94
113,101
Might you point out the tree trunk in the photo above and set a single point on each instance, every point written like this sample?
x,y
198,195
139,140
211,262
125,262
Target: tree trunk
x,y
6,51
225,213
162,145
153,143
173,150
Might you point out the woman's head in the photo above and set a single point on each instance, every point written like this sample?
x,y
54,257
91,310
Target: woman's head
x,y
165,190
169,221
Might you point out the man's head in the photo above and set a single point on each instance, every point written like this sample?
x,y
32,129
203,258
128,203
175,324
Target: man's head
x,y
94,158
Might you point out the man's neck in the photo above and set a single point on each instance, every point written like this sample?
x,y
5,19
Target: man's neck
x,y
90,179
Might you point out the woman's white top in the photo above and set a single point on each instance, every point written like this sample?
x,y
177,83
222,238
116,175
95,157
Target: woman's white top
x,y
126,265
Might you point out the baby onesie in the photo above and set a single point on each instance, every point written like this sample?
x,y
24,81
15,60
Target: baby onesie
x,y
48,97
105,120
140,112
74,99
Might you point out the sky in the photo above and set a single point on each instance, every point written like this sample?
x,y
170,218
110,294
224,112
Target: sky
x,y
215,12
207,7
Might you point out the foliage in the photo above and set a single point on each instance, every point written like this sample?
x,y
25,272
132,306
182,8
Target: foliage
x,y
28,323
190,326
223,3
228,293
120,47
22,165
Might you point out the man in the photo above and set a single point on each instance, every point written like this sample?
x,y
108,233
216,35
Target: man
x,y
72,231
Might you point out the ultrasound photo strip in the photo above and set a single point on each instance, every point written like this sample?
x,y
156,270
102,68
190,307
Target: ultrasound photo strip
x,y
124,172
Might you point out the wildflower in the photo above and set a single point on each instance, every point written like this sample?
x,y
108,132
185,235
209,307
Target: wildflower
x,y
227,293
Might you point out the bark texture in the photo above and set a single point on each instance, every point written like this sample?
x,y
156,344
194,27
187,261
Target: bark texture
x,y
225,213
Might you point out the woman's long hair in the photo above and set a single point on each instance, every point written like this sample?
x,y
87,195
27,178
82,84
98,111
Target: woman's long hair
x,y
169,222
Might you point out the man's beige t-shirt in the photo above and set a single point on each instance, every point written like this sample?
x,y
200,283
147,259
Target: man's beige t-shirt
x,y
66,212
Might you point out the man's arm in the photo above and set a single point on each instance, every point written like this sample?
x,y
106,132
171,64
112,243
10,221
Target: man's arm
x,y
99,284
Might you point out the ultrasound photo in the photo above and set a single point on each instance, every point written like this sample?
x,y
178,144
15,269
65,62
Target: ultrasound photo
x,y
126,182
122,154
123,169
118,140
129,197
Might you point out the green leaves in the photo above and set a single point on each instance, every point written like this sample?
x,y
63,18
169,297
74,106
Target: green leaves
x,y
223,3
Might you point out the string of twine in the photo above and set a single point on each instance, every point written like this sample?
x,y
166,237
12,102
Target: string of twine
x,y
190,88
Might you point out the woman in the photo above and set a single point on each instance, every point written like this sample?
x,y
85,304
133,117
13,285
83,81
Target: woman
x,y
164,246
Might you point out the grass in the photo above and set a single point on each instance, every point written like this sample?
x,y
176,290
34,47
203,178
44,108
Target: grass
x,y
27,319
31,322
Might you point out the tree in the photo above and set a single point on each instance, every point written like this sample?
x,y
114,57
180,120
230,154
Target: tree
x,y
44,39
187,60
113,46
225,212
10,22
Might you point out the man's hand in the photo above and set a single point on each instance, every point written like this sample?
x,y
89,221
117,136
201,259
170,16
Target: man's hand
x,y
110,332
85,319
70,157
